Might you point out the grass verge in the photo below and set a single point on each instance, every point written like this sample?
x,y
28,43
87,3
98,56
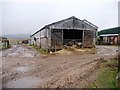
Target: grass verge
x,y
107,75
41,50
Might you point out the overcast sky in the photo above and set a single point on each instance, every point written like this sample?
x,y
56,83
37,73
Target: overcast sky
x,y
28,16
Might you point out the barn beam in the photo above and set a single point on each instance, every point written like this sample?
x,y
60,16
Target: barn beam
x,y
83,40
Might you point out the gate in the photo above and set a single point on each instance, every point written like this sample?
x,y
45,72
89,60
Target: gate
x,y
56,39
88,38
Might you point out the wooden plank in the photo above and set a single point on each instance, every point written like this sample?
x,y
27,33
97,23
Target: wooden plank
x,y
88,38
83,39
56,39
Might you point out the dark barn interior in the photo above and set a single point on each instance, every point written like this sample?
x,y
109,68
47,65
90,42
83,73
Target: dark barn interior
x,y
72,35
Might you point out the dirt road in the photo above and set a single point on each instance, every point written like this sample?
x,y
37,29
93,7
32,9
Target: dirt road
x,y
23,67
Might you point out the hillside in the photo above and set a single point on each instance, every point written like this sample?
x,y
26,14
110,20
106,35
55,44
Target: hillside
x,y
17,36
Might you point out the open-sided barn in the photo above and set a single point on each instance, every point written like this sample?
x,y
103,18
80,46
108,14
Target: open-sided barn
x,y
109,36
64,32
111,39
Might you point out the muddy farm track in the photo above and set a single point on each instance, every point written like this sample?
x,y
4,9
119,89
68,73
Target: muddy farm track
x,y
24,67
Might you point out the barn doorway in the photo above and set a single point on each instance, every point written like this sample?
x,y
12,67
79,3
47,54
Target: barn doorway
x,y
73,36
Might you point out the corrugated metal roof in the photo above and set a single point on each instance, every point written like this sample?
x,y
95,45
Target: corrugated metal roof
x,y
109,35
73,17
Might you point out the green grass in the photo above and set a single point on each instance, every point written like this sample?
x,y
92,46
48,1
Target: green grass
x,y
0,47
41,50
107,78
107,75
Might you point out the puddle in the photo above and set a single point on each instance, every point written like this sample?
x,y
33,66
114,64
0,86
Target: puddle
x,y
22,69
107,54
98,52
12,54
23,83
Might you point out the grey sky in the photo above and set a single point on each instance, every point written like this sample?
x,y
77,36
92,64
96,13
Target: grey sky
x,y
28,16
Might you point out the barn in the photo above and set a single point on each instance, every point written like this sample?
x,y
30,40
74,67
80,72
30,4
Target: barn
x,y
110,39
109,36
65,32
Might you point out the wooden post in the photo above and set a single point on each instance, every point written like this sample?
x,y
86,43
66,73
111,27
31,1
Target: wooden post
x,y
83,40
46,40
40,39
55,46
62,38
50,38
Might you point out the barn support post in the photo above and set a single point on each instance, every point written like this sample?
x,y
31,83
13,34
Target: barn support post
x,y
50,39
62,38
107,40
94,42
118,40
46,46
83,40
94,39
55,42
40,39
47,40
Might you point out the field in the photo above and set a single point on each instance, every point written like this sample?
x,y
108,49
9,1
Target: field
x,y
14,41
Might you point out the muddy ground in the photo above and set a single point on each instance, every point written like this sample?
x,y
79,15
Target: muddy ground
x,y
24,67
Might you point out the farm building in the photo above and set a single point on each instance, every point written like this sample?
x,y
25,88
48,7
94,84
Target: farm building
x,y
27,41
109,36
65,32
4,43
